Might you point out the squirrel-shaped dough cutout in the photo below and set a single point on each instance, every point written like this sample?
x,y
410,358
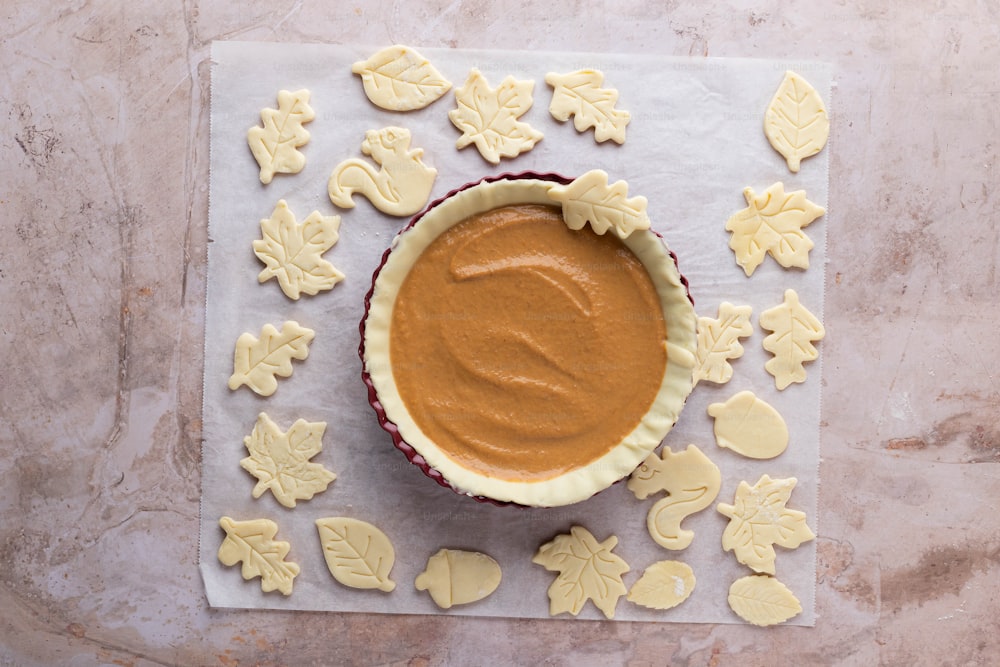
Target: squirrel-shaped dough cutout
x,y
400,188
692,483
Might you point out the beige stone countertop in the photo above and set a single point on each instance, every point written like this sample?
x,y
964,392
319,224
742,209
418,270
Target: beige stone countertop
x,y
103,206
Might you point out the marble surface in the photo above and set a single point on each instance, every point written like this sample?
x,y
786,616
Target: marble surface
x,y
103,202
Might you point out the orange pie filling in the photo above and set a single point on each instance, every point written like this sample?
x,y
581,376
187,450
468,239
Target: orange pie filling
x,y
524,349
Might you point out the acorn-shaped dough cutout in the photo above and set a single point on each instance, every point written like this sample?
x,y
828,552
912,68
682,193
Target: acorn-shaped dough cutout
x,y
749,426
458,577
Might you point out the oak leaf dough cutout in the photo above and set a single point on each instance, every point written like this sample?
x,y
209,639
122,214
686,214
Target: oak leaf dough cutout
x,y
280,460
794,330
772,224
291,252
763,600
398,78
275,144
253,543
719,341
257,361
796,122
588,570
589,199
400,187
663,585
357,553
454,577
488,117
579,94
749,426
758,520
692,483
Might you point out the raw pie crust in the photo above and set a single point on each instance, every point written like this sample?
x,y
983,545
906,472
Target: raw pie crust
x,y
576,484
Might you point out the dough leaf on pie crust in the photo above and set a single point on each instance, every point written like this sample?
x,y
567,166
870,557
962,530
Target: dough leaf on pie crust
x,y
488,117
292,251
280,460
589,198
253,543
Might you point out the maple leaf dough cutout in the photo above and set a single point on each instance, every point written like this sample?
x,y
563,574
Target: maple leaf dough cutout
x,y
275,145
579,94
588,570
749,426
763,600
772,224
257,361
397,78
796,122
663,585
292,252
692,483
280,460
400,187
758,520
357,553
794,329
253,543
589,198
488,117
719,341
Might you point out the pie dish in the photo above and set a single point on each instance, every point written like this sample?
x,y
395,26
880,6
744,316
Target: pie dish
x,y
517,360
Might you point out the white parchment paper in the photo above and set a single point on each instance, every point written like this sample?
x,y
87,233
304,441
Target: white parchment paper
x,y
695,141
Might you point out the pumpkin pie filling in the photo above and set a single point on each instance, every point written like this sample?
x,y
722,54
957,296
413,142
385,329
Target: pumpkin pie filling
x,y
524,349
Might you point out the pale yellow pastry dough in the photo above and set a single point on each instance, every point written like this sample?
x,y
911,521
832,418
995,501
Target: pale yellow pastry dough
x,y
454,577
663,585
579,94
763,600
796,122
589,199
794,330
280,460
772,224
758,520
749,426
488,117
257,361
692,483
252,543
357,553
275,145
398,78
401,187
292,251
719,341
588,570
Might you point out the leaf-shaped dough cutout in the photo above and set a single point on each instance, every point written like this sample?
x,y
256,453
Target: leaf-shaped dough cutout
x,y
579,94
589,198
253,543
719,341
292,251
749,426
275,145
763,600
257,361
357,553
772,224
759,519
398,78
663,585
588,570
453,576
794,329
796,122
280,460
488,117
